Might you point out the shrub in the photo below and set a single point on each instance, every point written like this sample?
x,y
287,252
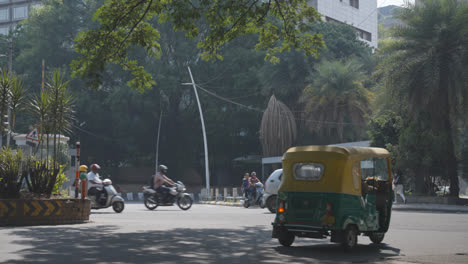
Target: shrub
x,y
43,176
10,173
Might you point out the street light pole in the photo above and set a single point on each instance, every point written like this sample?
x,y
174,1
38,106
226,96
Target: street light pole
x,y
207,171
157,143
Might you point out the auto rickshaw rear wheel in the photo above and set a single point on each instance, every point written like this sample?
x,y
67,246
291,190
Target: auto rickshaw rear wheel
x,y
286,238
376,237
350,238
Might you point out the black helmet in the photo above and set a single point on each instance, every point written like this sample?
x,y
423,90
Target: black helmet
x,y
162,168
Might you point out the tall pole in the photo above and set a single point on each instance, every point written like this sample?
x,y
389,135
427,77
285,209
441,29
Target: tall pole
x,y
207,171
157,144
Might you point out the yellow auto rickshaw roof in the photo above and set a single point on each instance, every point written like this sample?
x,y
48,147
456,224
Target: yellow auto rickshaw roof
x,y
338,163
353,152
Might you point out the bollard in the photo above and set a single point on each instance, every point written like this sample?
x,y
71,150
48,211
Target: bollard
x,y
203,194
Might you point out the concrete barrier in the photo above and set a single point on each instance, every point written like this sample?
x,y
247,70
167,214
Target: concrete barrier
x,y
43,212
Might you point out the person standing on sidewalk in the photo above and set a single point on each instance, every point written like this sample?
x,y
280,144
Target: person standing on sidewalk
x,y
398,183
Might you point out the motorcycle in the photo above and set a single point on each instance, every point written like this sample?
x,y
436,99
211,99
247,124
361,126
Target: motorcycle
x,y
258,200
111,198
153,199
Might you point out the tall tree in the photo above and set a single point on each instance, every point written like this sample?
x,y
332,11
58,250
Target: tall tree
x,y
337,99
280,25
6,83
61,112
427,68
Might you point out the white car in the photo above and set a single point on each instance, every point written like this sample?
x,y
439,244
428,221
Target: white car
x,y
271,190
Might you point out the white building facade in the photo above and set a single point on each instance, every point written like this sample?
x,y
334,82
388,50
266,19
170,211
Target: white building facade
x,y
13,11
360,14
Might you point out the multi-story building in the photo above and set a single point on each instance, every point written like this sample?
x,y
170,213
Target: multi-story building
x,y
13,11
360,14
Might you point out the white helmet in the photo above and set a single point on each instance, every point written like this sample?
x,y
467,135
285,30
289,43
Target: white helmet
x,y
162,168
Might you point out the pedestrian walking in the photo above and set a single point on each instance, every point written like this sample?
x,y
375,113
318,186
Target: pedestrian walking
x,y
398,183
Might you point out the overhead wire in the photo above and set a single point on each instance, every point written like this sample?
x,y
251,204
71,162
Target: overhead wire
x,y
262,111
93,134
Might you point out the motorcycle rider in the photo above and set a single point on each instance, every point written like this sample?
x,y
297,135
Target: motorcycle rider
x,y
160,179
95,187
253,184
256,183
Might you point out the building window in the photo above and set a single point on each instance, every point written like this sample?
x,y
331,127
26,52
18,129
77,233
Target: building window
x,y
20,12
4,30
354,3
364,34
4,1
4,14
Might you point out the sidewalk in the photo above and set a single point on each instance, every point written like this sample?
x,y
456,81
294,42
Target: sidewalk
x,y
396,207
430,207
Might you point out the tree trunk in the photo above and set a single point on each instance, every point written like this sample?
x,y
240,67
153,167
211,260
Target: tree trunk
x,y
452,164
419,182
446,126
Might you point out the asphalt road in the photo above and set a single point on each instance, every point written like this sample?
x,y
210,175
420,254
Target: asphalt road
x,y
219,234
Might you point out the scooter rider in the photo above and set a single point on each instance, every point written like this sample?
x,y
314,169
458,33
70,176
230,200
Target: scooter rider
x,y
160,179
255,182
95,183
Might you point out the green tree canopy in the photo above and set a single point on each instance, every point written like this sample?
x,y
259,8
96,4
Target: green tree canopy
x,y
337,99
427,69
280,25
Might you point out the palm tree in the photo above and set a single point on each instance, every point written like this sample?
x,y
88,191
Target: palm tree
x,y
336,99
427,68
18,95
6,81
61,111
40,106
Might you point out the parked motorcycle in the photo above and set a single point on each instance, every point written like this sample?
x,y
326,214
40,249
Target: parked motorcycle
x,y
257,200
153,199
111,198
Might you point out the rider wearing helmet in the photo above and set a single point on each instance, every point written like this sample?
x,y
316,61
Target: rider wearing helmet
x,y
95,183
160,179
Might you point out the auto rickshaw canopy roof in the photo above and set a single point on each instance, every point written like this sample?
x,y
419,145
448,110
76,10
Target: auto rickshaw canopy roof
x,y
339,165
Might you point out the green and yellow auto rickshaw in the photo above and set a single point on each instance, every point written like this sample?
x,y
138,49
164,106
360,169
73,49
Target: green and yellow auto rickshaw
x,y
337,192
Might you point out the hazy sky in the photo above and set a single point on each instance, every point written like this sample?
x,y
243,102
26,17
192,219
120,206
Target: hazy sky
x,y
391,2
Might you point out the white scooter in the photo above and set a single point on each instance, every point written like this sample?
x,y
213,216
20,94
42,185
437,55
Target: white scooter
x,y
112,199
258,200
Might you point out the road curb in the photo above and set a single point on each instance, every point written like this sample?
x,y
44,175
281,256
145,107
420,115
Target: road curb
x,y
236,204
428,209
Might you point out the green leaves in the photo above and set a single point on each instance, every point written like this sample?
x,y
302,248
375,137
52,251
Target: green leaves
x,y
337,99
280,25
